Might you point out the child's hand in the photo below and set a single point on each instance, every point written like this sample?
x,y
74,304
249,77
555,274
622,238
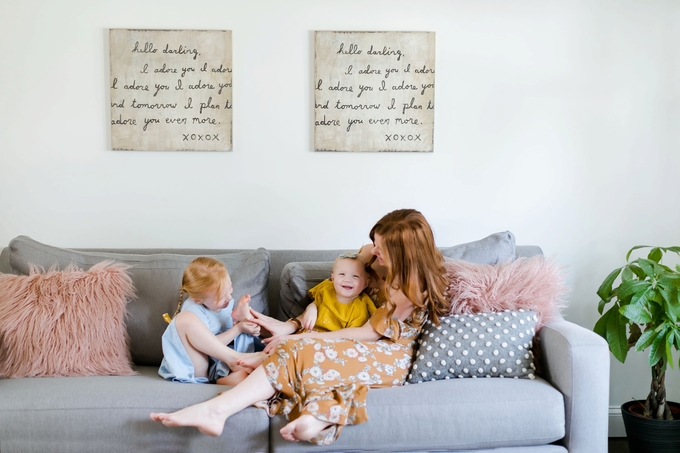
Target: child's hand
x,y
309,319
248,327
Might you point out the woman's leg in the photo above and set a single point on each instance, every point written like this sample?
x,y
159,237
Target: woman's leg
x,y
200,342
209,417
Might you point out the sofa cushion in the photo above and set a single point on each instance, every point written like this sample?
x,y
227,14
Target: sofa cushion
x,y
534,283
453,415
111,414
493,249
157,279
65,323
299,277
477,345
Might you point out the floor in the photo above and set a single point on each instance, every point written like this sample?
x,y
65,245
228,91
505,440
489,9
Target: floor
x,y
618,445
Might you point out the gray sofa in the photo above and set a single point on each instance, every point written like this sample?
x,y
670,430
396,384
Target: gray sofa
x,y
564,410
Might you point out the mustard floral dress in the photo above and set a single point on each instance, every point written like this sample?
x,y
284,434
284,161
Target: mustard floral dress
x,y
329,378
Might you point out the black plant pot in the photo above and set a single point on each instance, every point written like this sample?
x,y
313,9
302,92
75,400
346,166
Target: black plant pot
x,y
646,435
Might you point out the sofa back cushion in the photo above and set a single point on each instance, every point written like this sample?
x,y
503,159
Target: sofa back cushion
x,y
156,278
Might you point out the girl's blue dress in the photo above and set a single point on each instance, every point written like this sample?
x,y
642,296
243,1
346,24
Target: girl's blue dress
x,y
176,364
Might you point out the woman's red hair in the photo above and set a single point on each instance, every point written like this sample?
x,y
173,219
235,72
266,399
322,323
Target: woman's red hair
x,y
414,264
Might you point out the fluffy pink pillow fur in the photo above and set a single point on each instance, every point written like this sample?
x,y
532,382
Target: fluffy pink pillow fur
x,y
65,323
532,283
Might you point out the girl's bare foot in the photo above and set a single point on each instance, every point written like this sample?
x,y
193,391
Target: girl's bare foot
x,y
246,361
241,311
303,428
253,360
206,418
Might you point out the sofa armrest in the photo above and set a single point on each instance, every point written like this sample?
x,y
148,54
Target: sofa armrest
x,y
576,362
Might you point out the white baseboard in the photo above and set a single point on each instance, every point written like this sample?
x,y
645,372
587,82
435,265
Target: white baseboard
x,y
616,428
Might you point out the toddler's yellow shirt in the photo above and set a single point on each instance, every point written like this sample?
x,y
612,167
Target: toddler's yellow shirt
x,y
334,315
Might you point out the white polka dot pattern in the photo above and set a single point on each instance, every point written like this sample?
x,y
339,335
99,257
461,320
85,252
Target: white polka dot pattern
x,y
476,345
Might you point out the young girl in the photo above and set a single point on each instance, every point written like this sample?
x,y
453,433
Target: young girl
x,y
339,302
380,351
195,342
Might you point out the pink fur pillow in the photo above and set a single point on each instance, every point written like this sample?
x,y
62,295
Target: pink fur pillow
x,y
528,283
65,323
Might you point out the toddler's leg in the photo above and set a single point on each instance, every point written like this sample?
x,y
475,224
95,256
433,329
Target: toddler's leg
x,y
233,378
200,343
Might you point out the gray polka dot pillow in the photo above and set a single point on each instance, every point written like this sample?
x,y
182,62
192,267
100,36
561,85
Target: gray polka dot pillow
x,y
476,345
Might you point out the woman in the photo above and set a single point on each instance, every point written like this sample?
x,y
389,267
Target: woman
x,y
335,369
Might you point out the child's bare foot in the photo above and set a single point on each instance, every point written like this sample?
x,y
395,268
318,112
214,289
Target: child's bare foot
x,y
202,416
253,360
303,428
236,366
241,311
233,378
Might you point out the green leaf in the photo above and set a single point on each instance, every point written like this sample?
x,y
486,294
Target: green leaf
x,y
627,289
616,334
670,296
658,348
675,249
669,350
627,274
601,325
636,314
642,297
645,340
655,254
600,305
605,289
656,296
650,267
637,271
635,248
657,309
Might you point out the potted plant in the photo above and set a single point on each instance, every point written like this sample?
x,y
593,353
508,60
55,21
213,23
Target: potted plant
x,y
645,314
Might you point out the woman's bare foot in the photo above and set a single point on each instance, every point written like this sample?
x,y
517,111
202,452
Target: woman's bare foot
x,y
206,418
253,360
303,428
241,311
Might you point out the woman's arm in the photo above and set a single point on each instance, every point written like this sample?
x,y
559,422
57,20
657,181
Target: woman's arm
x,y
363,333
274,326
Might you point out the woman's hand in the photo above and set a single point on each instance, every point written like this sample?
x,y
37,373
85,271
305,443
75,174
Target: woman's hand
x,y
273,342
274,326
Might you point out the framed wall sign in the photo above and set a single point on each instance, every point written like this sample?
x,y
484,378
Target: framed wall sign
x,y
171,90
374,91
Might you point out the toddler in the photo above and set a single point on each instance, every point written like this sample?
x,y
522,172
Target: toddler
x,y
339,302
195,343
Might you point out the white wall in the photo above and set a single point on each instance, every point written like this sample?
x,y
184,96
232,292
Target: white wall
x,y
556,120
